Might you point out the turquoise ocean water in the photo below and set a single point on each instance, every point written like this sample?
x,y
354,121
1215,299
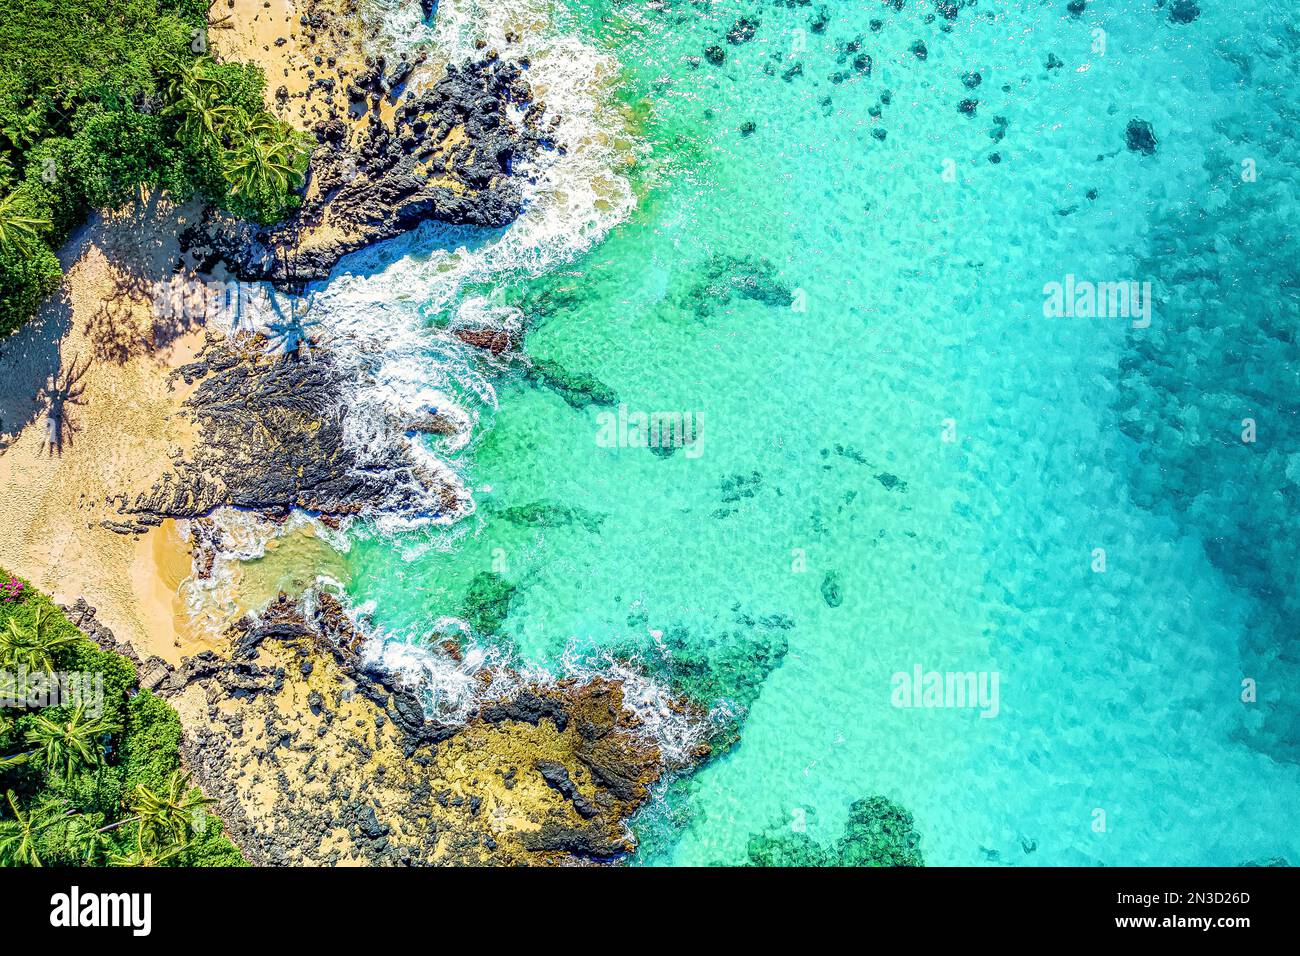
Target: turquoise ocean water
x,y
900,460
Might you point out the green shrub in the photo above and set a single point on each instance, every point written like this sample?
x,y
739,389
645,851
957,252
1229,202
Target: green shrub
x,y
145,751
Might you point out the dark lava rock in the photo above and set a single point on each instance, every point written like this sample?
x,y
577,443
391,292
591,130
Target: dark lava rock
x,y
715,55
272,439
968,106
821,19
1139,137
450,155
1054,62
919,50
557,778
1184,11
743,30
878,132
971,80
747,128
1076,7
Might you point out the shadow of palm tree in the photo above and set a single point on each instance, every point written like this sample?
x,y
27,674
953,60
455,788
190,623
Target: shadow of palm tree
x,y
28,359
62,391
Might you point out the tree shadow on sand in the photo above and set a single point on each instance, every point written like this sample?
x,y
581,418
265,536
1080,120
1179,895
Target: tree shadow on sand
x,y
29,360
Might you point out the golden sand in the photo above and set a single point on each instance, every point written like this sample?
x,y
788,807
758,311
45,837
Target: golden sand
x,y
110,341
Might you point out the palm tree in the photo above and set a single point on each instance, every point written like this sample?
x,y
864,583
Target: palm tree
x,y
267,158
32,647
18,837
69,744
170,817
141,857
200,102
18,228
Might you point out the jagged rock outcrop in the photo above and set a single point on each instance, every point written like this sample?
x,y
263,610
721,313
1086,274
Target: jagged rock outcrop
x,y
272,438
450,153
317,758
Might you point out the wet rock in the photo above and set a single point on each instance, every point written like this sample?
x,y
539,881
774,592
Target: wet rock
x,y
743,30
971,80
1076,7
273,438
449,153
715,55
1184,11
919,51
494,340
967,106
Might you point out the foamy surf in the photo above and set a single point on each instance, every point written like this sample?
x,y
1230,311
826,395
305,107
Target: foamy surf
x,y
380,305
377,314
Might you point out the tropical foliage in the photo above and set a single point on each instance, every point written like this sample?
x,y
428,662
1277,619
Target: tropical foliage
x,y
101,100
81,787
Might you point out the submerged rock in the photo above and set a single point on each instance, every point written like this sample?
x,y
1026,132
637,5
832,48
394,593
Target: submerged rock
x,y
743,30
832,591
1184,11
578,389
549,514
721,278
1139,137
878,832
487,602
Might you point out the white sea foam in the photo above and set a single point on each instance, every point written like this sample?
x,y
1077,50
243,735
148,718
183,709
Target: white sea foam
x,y
377,311
379,304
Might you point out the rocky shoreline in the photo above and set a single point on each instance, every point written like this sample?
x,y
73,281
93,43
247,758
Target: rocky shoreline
x,y
272,438
451,153
317,757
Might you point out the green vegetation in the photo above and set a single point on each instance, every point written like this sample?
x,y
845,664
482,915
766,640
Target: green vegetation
x,y
101,98
79,787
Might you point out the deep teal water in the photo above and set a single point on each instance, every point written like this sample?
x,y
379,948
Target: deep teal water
x,y
858,322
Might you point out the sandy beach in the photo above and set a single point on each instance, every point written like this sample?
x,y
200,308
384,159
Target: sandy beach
x,y
101,349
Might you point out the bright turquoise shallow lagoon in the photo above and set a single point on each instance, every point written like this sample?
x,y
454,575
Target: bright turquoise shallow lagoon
x,y
917,300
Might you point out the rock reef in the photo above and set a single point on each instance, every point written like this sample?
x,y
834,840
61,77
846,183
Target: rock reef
x,y
316,757
272,437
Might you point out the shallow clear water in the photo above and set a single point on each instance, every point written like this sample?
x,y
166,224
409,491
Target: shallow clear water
x,y
884,401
